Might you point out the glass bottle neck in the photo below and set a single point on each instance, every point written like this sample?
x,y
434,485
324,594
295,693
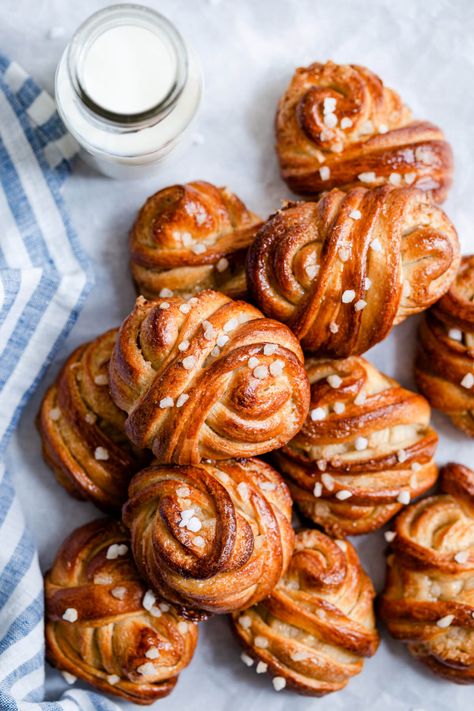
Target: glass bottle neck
x,y
117,19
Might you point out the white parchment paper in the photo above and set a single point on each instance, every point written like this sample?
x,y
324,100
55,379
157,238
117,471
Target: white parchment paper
x,y
249,49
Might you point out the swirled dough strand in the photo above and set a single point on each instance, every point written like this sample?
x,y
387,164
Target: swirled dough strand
x,y
191,237
428,601
339,126
365,449
82,430
445,358
213,537
315,629
207,377
104,626
343,271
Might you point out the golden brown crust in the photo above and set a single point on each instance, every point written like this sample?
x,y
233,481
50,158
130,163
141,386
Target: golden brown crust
x,y
318,624
382,143
186,373
211,538
82,430
191,237
115,644
343,271
445,355
366,443
428,600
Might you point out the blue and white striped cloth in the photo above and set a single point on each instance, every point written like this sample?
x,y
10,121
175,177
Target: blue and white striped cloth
x,y
44,279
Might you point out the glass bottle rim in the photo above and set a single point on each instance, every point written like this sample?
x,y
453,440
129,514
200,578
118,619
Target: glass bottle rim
x,y
113,16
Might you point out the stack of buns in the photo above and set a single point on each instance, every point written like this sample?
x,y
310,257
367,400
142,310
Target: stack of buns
x,y
246,341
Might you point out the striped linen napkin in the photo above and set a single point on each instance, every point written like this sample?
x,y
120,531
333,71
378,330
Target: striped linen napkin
x,y
44,279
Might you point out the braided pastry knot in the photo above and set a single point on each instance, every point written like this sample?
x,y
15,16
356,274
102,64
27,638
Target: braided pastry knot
x,y
445,358
365,449
207,377
318,624
338,125
428,600
191,237
103,626
341,272
82,430
210,538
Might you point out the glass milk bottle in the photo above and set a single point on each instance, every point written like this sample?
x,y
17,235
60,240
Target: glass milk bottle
x,y
127,89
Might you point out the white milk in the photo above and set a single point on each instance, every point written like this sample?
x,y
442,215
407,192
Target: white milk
x,y
128,70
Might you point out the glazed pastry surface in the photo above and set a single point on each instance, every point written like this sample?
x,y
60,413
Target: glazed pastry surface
x,y
343,271
207,377
365,448
445,358
213,537
82,430
339,126
104,626
318,625
191,237
428,601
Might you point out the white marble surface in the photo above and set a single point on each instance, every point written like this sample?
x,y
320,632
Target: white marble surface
x,y
248,51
